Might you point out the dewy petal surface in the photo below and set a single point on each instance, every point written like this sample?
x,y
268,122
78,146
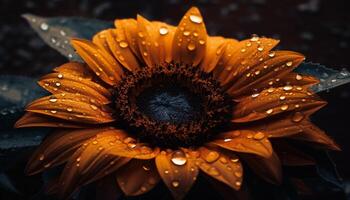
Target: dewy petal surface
x,y
225,167
214,51
138,177
103,64
178,175
58,147
245,141
190,39
92,161
71,108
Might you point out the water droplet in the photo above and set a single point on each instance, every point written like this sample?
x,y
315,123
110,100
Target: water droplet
x,y
212,156
223,160
297,117
94,142
255,95
254,39
123,44
58,84
146,168
60,76
41,158
201,42
93,107
259,135
175,184
243,50
179,158
269,111
248,44
290,63
44,26
186,33
196,19
260,48
287,88
145,54
163,30
298,77
227,140
238,174
257,72
234,160
53,111
282,98
140,34
213,171
69,109
63,33
238,183
53,99
284,107
270,90
191,46
272,54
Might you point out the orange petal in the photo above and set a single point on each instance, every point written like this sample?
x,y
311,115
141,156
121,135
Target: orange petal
x,y
273,101
38,120
76,69
165,38
231,46
67,83
190,39
246,53
178,171
100,39
315,135
267,168
297,79
214,51
58,148
266,71
155,41
138,177
222,166
245,141
121,50
90,162
146,40
71,108
103,64
130,29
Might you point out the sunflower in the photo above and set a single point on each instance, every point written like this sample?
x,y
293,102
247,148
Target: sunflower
x,y
154,102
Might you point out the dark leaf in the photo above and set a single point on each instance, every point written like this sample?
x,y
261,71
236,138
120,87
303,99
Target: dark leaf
x,y
57,31
329,78
15,93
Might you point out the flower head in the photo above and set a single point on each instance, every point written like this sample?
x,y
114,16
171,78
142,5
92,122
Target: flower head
x,y
153,102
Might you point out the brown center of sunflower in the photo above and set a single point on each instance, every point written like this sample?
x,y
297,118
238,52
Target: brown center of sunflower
x,y
172,106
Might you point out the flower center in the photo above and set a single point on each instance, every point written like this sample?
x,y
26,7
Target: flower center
x,y
173,105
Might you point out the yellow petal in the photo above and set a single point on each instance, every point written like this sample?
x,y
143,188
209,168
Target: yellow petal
x,y
177,171
103,64
137,177
190,39
245,141
226,167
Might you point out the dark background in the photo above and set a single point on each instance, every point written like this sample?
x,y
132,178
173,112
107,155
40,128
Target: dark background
x,y
320,29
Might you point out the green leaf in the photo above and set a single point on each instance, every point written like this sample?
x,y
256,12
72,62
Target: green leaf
x,y
329,78
57,31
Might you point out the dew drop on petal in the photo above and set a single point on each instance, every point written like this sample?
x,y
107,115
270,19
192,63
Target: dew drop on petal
x,y
44,26
282,98
201,42
191,46
175,184
298,77
212,156
69,109
259,135
163,30
178,158
186,33
269,111
287,88
255,95
196,19
290,63
123,44
284,107
297,117
60,76
227,140
53,99
272,54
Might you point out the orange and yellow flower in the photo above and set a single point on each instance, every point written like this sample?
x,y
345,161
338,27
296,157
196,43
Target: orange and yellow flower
x,y
154,102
